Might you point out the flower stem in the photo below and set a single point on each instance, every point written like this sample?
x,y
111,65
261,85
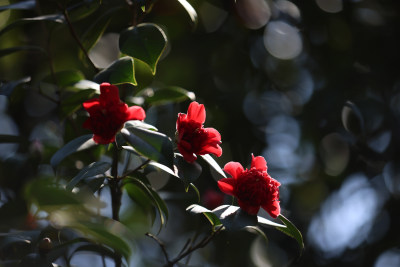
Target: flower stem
x,y
116,194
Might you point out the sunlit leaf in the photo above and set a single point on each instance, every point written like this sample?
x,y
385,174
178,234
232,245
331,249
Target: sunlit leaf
x,y
57,18
169,94
264,221
91,170
291,231
7,88
210,160
7,51
30,4
120,71
153,145
190,10
83,9
164,168
78,144
145,42
140,124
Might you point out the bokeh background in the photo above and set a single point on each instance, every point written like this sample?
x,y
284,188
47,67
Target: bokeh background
x,y
312,86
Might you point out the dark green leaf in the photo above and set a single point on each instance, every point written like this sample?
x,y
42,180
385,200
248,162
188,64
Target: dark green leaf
x,y
188,172
209,159
7,51
153,145
169,94
257,230
95,183
120,71
190,10
140,124
89,171
291,231
155,198
96,29
211,217
57,18
7,88
264,221
196,190
78,144
30,4
142,198
83,9
65,78
145,42
164,168
74,101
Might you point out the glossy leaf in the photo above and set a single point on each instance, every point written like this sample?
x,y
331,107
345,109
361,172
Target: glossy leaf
x,y
140,124
291,231
57,18
188,172
96,29
78,144
89,171
169,94
32,48
142,198
83,9
120,71
211,161
153,196
190,10
145,42
165,168
30,4
7,88
153,145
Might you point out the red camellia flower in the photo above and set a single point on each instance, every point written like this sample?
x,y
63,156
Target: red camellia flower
x,y
192,138
108,114
253,188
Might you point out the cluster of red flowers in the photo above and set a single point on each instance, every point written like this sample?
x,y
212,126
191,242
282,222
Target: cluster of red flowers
x,y
254,187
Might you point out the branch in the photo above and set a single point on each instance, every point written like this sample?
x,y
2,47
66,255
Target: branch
x,y
78,41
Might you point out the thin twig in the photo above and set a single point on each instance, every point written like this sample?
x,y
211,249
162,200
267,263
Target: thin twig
x,y
161,244
78,41
136,169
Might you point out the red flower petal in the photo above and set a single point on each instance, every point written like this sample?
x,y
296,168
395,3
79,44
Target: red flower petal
x,y
227,185
109,94
259,163
235,169
135,113
92,105
273,209
197,112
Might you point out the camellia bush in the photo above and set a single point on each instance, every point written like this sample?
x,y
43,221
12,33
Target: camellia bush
x,y
96,188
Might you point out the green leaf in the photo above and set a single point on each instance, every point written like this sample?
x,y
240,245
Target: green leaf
x,y
291,231
153,145
89,171
30,4
164,168
120,71
209,159
97,248
188,172
169,94
140,124
96,29
83,9
155,198
142,198
257,230
262,220
65,78
74,101
57,18
95,183
75,145
7,51
211,217
7,88
145,42
190,10
44,192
